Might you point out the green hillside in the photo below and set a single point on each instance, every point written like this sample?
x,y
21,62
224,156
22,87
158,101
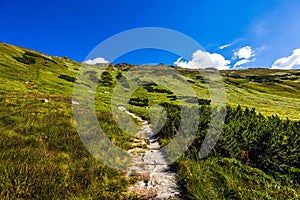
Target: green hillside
x,y
269,91
42,155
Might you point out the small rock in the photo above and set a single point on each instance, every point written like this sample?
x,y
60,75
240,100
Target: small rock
x,y
74,103
122,108
44,100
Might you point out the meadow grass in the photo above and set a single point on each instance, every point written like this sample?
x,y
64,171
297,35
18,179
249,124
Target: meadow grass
x,y
43,157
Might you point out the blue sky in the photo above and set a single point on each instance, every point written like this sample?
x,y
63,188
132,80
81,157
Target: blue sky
x,y
237,34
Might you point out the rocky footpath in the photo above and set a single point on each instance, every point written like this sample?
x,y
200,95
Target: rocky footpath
x,y
155,178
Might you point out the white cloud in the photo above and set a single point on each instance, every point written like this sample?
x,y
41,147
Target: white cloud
x,y
240,62
201,59
245,52
96,61
229,44
224,46
183,64
288,62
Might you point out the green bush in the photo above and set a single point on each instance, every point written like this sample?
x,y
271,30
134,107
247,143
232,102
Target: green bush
x,y
268,144
106,79
26,60
139,102
67,78
152,88
31,54
30,58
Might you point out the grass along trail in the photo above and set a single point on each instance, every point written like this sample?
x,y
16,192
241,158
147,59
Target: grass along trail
x,y
155,178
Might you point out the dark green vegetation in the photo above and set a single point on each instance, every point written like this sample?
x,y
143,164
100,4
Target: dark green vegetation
x,y
42,156
256,157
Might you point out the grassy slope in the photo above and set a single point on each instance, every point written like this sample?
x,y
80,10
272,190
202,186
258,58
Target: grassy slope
x,y
269,91
41,153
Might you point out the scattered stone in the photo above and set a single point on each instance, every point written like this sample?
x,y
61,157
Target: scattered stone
x,y
44,100
74,103
122,108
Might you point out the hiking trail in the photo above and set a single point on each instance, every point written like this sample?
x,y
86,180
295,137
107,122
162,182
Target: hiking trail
x,y
156,180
